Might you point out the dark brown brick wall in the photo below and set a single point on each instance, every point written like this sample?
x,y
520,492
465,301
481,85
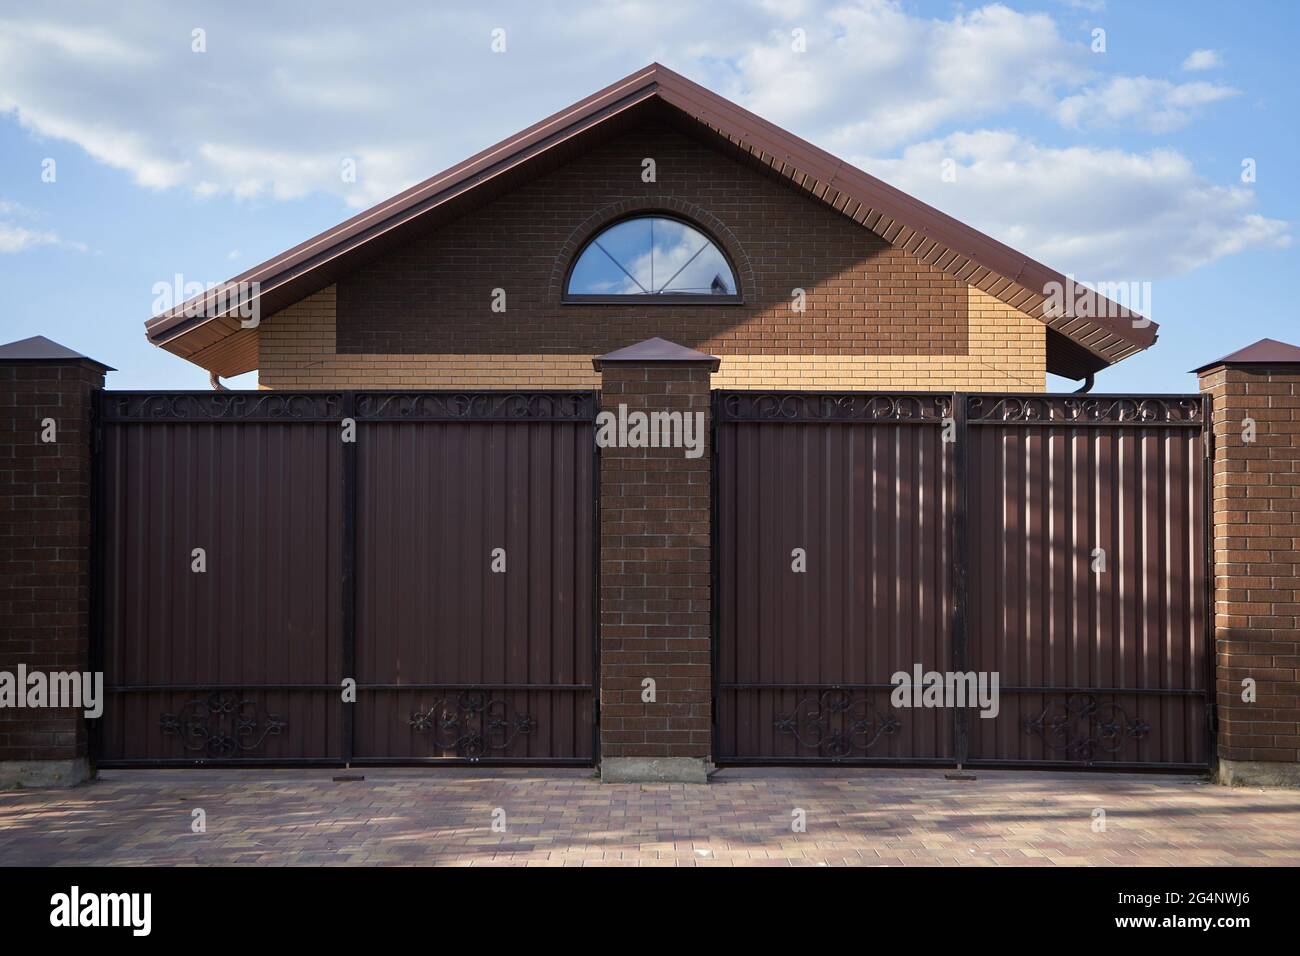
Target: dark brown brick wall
x,y
45,545
1257,559
654,575
864,296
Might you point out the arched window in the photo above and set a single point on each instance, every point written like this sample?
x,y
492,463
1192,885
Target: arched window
x,y
651,259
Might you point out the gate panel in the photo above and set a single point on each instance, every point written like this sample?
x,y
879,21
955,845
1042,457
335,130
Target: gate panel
x,y
803,660
465,662
1098,667
1101,666
328,559
242,660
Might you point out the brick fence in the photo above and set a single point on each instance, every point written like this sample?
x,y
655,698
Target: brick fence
x,y
1256,398
655,587
46,394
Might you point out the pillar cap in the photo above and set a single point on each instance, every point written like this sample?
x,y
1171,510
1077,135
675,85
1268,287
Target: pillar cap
x,y
1263,352
40,349
655,351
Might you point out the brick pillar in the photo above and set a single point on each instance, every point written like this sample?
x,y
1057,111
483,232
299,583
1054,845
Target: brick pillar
x,y
1256,398
655,569
45,495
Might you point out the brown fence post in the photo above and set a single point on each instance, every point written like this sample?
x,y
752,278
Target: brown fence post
x,y
1256,516
47,393
654,565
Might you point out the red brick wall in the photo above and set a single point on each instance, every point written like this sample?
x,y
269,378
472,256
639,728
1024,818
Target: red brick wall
x,y
654,575
45,544
1257,559
433,296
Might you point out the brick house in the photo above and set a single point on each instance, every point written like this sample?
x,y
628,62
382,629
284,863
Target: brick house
x,y
840,281
870,375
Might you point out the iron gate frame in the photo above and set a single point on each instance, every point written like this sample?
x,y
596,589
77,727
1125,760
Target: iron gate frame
x,y
1198,407
333,406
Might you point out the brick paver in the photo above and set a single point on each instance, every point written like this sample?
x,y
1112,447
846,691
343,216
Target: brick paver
x,y
568,818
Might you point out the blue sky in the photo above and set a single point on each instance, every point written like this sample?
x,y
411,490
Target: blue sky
x,y
1115,165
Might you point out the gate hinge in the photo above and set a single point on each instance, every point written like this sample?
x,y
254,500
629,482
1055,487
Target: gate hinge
x,y
1212,714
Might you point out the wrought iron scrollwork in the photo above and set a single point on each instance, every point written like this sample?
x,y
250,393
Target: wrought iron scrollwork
x,y
837,407
472,724
222,725
837,723
476,406
1080,728
560,406
1098,410
222,406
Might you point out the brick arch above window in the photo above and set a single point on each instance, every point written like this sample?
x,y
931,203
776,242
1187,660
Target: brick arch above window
x,y
713,228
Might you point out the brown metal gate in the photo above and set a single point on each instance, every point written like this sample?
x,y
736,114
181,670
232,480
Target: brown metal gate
x,y
327,559
960,533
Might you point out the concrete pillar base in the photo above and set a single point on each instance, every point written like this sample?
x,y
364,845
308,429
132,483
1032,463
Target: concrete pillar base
x,y
33,774
654,770
1258,773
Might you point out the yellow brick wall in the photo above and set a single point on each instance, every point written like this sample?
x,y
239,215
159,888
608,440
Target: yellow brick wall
x,y
1007,352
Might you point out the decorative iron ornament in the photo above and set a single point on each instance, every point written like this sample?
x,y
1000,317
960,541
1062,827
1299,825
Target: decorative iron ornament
x,y
472,724
836,723
329,406
222,406
1097,410
1080,728
221,725
476,406
917,408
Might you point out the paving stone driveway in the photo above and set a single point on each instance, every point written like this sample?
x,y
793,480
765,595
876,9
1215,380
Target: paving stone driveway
x,y
567,818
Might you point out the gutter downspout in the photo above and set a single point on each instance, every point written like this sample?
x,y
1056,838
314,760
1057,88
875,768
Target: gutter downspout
x,y
1087,384
215,381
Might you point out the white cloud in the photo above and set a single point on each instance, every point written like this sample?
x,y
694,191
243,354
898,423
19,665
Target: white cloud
x,y
1157,106
872,69
273,110
1203,60
1102,214
19,238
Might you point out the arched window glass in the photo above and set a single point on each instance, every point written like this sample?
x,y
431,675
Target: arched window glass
x,y
652,257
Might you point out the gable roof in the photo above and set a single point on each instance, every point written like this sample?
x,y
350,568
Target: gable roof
x,y
1076,347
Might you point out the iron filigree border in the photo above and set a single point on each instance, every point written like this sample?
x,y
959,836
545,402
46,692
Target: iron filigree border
x,y
902,407
1090,410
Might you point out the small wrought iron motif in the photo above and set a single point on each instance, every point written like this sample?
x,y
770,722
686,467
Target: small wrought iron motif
x,y
476,406
1101,410
472,724
222,725
837,723
1080,728
824,407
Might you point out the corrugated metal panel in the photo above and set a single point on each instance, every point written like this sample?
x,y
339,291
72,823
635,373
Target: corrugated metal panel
x,y
869,504
1043,499
435,500
263,501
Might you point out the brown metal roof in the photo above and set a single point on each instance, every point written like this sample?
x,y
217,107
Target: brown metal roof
x,y
657,350
1075,346
1263,352
40,349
